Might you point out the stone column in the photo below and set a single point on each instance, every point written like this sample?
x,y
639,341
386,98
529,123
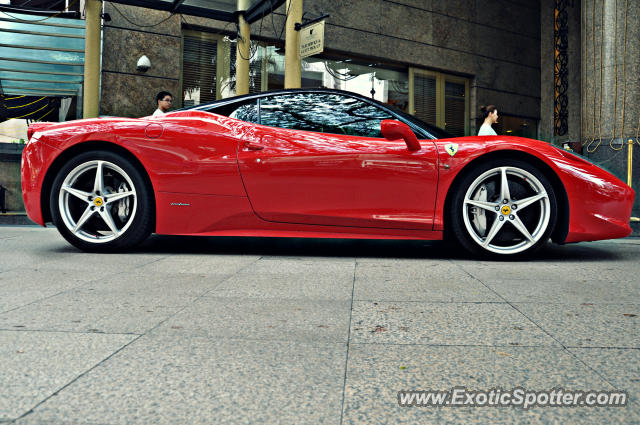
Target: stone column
x,y
611,87
292,61
243,51
91,95
610,68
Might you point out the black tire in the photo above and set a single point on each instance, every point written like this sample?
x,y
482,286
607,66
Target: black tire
x,y
525,183
131,212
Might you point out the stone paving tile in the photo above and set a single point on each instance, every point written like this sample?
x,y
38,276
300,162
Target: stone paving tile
x,y
318,286
302,266
102,264
558,272
254,330
45,248
415,280
26,285
30,420
167,287
199,264
24,232
443,323
376,373
85,310
34,365
621,367
184,380
22,252
567,291
314,261
291,278
588,324
277,319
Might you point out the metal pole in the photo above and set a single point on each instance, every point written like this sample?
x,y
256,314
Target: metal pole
x,y
292,61
243,51
629,162
629,173
91,97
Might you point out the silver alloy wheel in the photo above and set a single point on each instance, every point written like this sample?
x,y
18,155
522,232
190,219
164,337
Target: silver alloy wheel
x,y
500,208
90,207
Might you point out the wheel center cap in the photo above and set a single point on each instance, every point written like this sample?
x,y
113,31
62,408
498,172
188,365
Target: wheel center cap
x,y
506,210
98,202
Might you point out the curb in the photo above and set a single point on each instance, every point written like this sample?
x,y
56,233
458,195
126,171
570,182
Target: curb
x,y
15,219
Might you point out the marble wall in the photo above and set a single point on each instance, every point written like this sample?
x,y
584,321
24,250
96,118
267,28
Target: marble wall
x,y
131,33
496,43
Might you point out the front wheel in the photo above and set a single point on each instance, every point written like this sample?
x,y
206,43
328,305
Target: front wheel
x,y
100,202
503,208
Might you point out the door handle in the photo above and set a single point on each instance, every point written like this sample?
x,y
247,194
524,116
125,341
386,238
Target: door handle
x,y
248,146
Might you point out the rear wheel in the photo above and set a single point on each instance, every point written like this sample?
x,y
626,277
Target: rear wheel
x,y
503,208
100,202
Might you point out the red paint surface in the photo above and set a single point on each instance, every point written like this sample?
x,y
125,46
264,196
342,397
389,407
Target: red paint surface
x,y
229,177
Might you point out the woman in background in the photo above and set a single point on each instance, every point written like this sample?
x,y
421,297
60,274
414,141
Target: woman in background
x,y
490,115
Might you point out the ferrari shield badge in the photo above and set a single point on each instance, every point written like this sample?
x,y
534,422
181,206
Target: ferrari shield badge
x,y
451,148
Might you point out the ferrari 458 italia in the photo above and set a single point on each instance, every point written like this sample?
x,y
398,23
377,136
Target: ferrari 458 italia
x,y
311,163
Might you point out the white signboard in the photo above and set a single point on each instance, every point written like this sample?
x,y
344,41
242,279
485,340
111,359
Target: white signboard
x,y
312,39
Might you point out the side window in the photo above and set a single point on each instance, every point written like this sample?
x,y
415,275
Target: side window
x,y
365,120
323,113
247,111
289,111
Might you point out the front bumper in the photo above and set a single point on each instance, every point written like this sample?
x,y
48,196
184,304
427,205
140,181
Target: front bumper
x,y
36,159
599,203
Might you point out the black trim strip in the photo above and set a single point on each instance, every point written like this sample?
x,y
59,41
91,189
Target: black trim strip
x,y
140,75
260,9
44,23
47,34
218,15
77,74
67,14
41,48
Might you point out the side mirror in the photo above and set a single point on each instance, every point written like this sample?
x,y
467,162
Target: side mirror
x,y
394,130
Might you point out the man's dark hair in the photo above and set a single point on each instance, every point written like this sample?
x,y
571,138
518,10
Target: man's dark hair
x,y
162,94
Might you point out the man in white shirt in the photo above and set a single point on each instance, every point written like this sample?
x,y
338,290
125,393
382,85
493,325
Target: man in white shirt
x,y
164,100
490,114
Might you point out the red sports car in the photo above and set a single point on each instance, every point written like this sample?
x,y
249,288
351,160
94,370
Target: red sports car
x,y
311,163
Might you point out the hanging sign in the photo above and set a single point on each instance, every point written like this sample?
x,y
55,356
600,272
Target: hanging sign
x,y
312,39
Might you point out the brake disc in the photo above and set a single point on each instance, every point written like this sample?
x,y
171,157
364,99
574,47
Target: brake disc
x,y
479,215
123,204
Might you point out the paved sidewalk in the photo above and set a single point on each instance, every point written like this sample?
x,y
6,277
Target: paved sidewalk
x,y
243,330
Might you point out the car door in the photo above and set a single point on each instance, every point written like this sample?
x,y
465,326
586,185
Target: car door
x,y
319,158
